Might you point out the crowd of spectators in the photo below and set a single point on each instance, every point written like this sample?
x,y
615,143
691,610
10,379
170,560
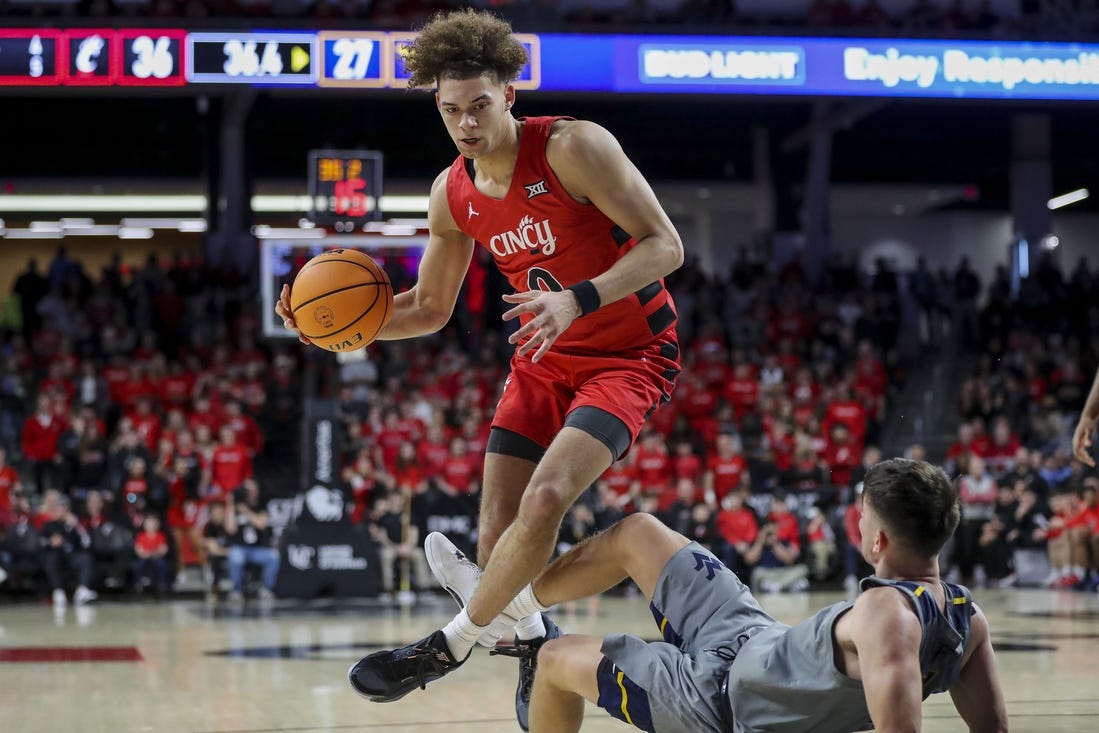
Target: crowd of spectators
x,y
130,405
137,411
1029,510
914,17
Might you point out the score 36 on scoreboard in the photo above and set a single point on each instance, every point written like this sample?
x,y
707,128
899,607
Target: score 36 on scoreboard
x,y
91,57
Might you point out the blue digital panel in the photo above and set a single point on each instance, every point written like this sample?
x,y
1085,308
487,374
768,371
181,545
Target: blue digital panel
x,y
353,59
819,66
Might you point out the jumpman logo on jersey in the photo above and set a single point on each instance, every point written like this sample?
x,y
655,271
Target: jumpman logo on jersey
x,y
472,213
712,565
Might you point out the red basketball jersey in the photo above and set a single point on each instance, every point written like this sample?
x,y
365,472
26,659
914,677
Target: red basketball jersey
x,y
543,239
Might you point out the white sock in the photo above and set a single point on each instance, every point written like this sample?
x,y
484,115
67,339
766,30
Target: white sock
x,y
525,604
462,634
530,627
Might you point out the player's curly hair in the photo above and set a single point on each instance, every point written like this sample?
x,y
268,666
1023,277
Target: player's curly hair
x,y
464,44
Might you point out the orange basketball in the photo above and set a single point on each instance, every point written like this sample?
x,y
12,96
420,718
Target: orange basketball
x,y
341,299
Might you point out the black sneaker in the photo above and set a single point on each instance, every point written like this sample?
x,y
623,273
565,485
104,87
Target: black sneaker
x,y
527,652
390,675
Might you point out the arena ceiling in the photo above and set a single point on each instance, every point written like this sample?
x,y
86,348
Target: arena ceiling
x,y
683,139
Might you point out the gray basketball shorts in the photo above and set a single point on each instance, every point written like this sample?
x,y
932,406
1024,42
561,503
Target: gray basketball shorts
x,y
705,614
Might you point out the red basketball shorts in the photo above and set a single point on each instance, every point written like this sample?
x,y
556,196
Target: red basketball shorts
x,y
629,385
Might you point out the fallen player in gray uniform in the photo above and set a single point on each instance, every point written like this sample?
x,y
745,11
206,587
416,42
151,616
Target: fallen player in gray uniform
x,y
726,665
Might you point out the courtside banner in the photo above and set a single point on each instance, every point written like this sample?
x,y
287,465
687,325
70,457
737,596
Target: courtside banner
x,y
636,64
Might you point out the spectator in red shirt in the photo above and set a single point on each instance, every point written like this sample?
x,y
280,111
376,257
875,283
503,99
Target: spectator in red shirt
x,y
230,464
205,416
137,386
364,478
842,455
652,464
846,409
151,557
738,526
9,482
58,383
460,472
977,491
742,391
408,474
183,509
1001,452
248,433
433,451
175,387
146,422
390,436
723,469
619,485
686,464
136,483
40,433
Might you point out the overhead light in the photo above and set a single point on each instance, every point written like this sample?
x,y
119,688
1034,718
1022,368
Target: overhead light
x,y
30,234
135,233
266,232
191,225
69,222
91,203
53,227
1065,199
181,203
304,223
1050,242
95,230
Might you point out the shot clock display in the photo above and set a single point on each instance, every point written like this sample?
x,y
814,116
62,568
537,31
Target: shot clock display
x,y
345,186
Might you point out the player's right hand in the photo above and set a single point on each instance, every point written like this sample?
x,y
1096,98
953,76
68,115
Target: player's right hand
x,y
1081,441
282,308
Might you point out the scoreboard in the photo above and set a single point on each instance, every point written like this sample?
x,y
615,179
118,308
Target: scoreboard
x,y
172,57
560,62
91,57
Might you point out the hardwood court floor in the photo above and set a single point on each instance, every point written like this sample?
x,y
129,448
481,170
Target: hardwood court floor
x,y
182,667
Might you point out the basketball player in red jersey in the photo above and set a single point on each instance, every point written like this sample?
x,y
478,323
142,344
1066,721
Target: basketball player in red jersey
x,y
585,244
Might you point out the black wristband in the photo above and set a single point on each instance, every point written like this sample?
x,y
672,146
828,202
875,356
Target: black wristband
x,y
586,295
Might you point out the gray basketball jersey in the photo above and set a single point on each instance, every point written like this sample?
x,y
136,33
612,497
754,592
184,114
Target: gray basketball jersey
x,y
785,679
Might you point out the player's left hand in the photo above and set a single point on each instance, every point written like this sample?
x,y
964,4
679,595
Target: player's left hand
x,y
553,313
1081,441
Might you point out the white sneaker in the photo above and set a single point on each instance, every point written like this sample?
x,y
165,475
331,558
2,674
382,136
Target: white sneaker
x,y
799,586
266,594
459,576
59,599
84,595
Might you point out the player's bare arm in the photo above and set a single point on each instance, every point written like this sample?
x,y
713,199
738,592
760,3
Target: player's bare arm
x,y
593,168
977,694
1081,439
428,305
880,644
